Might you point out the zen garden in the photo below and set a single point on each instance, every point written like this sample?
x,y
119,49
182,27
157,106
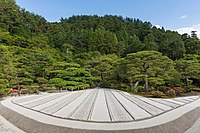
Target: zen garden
x,y
98,73
82,52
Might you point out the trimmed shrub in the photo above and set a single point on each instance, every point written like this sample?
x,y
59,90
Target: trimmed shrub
x,y
171,93
179,90
136,89
157,94
195,89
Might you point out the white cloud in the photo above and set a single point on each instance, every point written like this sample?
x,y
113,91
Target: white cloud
x,y
183,17
158,26
189,29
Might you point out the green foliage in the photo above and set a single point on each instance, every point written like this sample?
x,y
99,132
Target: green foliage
x,y
192,45
157,94
58,82
136,89
68,76
101,68
172,45
41,80
149,67
88,51
189,69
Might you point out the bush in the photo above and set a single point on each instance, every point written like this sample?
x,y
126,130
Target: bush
x,y
171,93
179,90
123,87
137,89
105,84
4,91
195,89
157,94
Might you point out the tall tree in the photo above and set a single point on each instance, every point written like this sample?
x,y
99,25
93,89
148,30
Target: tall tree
x,y
189,69
101,67
150,43
148,67
172,45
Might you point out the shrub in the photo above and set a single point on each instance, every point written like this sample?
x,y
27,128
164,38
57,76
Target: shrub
x,y
157,94
136,89
4,91
195,89
171,93
179,90
105,84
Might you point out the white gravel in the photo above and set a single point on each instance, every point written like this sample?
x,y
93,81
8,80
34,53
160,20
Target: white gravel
x,y
107,109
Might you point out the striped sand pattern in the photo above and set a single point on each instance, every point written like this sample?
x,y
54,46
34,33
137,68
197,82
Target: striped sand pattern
x,y
101,105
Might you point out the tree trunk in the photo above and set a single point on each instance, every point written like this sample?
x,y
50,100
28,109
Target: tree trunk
x,y
131,83
136,84
18,87
67,51
186,80
146,84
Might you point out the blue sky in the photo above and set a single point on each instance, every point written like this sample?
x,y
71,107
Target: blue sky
x,y
180,15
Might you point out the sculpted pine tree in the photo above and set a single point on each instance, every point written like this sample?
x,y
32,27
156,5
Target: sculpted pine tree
x,y
149,67
189,69
101,67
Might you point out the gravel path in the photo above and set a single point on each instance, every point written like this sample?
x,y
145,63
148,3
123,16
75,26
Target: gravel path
x,y
99,111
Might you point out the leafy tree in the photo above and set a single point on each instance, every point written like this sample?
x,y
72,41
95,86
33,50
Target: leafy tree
x,y
6,38
42,82
69,76
150,43
192,46
101,67
172,45
119,74
148,67
134,45
57,82
189,69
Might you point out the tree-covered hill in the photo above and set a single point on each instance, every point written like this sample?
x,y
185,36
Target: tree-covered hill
x,y
87,51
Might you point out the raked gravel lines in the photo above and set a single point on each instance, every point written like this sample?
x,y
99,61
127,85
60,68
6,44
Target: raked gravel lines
x,y
152,110
101,105
84,110
42,101
32,100
52,102
61,103
117,111
100,110
67,110
133,108
27,98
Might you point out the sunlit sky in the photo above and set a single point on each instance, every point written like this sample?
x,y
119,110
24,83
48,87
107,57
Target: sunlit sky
x,y
180,15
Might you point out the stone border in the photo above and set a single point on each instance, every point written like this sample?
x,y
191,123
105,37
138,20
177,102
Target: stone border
x,y
29,125
2,98
7,127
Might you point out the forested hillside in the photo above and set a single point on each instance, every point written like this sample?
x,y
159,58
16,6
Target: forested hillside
x,y
88,51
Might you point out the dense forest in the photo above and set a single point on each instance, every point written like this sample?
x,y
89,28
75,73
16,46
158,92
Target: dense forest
x,y
82,52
